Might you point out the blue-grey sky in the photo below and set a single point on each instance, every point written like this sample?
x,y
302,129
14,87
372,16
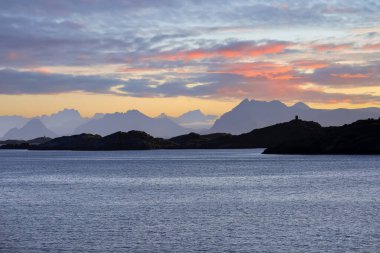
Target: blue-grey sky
x,y
325,53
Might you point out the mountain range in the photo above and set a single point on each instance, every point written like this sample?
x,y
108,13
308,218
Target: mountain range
x,y
61,123
246,116
32,129
69,121
193,119
9,122
293,137
131,120
253,114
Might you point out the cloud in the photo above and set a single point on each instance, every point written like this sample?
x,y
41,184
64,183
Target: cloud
x,y
233,50
268,70
86,32
351,76
194,48
346,76
310,64
331,47
265,82
372,47
26,82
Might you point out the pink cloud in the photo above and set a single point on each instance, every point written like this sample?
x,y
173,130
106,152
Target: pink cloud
x,y
351,76
242,50
310,64
372,47
331,47
268,70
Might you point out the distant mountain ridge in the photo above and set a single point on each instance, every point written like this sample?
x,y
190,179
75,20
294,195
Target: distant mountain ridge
x,y
9,122
246,116
293,137
253,114
131,120
32,129
69,121
63,122
195,119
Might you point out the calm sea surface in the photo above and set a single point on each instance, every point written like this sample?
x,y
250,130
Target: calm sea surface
x,y
188,201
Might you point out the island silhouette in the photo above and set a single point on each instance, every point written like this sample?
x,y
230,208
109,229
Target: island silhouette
x,y
293,137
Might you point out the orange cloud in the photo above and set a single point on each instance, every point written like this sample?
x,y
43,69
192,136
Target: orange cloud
x,y
310,64
371,47
266,90
42,70
136,70
351,76
235,51
147,70
265,69
331,47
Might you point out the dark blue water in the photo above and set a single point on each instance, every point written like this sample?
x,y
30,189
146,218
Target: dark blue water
x,y
188,201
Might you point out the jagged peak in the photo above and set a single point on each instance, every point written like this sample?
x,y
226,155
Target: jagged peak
x,y
162,115
34,122
300,105
254,102
246,101
134,112
65,111
277,102
193,112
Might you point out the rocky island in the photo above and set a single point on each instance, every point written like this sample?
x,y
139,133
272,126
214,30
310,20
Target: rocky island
x,y
293,137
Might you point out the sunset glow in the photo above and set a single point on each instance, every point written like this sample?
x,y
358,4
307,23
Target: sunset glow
x,y
182,55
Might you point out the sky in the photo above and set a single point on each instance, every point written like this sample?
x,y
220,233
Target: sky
x,y
173,56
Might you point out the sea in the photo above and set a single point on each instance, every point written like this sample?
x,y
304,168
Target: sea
x,y
188,201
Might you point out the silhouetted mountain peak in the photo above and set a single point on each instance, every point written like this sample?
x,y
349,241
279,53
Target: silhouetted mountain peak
x,y
63,122
300,106
34,123
131,120
69,112
131,114
277,103
244,103
162,115
32,129
194,119
98,116
64,113
248,115
195,115
247,104
135,113
197,112
273,103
